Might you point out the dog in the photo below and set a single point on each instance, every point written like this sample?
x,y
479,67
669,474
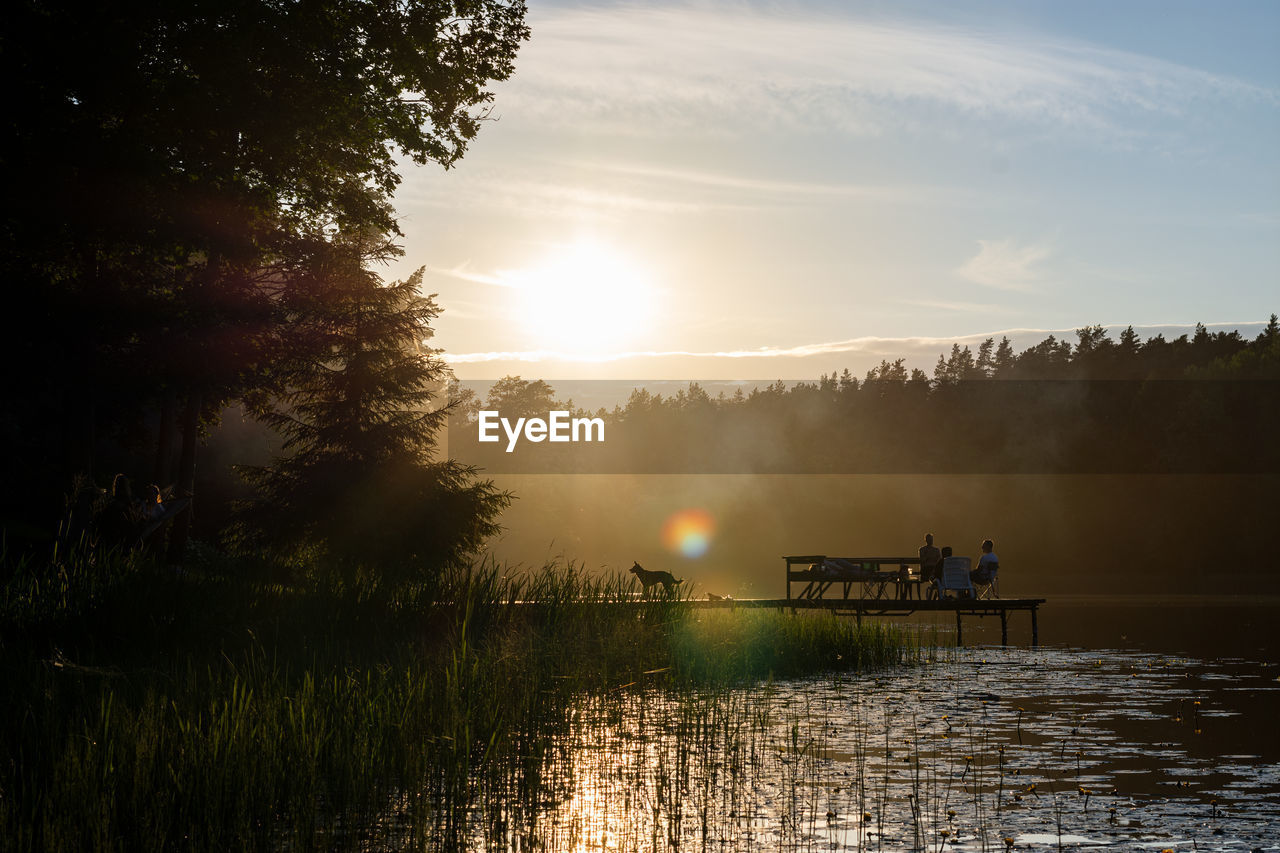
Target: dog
x,y
649,579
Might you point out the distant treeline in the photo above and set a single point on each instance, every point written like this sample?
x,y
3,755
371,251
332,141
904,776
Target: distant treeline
x,y
1201,403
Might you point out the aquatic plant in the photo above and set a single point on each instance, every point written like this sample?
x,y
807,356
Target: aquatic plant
x,y
208,710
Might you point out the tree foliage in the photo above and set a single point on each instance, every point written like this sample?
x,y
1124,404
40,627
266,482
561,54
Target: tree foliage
x,y
166,162
357,489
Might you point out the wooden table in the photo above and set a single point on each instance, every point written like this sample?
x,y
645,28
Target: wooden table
x,y
872,577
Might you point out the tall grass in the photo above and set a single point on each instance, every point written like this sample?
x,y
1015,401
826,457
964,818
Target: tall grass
x,y
209,710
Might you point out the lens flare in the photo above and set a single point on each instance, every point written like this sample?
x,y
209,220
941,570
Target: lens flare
x,y
689,532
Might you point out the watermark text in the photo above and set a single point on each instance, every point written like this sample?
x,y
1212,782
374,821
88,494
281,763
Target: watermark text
x,y
559,426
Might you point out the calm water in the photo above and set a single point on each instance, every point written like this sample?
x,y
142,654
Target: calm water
x,y
1090,745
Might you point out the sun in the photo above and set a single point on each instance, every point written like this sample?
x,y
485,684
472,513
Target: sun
x,y
584,299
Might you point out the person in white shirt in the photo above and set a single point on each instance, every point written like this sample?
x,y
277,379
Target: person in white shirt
x,y
988,563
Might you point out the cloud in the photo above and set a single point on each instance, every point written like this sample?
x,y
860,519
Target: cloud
x,y
599,191
755,186
566,193
919,350
870,345
952,306
711,70
1004,265
463,273
799,351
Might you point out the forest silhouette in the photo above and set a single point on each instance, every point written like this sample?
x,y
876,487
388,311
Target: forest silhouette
x,y
1119,466
1201,403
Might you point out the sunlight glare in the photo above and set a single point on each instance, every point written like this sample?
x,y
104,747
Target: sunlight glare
x,y
689,532
585,299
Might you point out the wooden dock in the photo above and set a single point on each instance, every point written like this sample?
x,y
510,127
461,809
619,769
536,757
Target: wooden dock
x,y
861,587
859,608
855,607
892,586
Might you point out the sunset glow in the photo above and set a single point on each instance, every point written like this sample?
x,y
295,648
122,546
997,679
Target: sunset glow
x,y
824,186
585,299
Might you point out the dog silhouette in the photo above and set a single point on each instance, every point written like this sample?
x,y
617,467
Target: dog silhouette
x,y
649,579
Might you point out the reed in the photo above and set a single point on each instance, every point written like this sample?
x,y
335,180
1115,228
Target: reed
x,y
209,710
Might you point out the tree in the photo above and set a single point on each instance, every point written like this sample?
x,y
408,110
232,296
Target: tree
x,y
1095,353
464,406
1129,344
985,365
1271,333
941,373
358,491
887,372
163,158
1004,359
959,367
514,397
1046,360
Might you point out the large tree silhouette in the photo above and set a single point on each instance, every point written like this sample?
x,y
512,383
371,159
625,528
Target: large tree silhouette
x,y
163,161
357,492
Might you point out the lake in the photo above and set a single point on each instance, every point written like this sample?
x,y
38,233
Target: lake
x,y
1137,725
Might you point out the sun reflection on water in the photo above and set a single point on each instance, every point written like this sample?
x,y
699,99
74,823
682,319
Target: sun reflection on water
x,y
988,750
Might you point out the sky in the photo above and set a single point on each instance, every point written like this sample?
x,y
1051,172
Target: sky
x,y
731,190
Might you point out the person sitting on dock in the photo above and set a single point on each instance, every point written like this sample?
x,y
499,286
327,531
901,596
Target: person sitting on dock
x,y
937,571
988,564
930,559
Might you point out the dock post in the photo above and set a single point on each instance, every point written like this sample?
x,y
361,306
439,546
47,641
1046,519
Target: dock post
x,y
1035,629
787,563
959,630
1004,627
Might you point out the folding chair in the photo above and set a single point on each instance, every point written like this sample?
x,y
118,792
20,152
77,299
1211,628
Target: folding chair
x,y
954,578
989,588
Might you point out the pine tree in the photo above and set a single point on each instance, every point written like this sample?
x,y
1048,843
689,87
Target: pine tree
x,y
985,365
1271,332
358,493
1004,359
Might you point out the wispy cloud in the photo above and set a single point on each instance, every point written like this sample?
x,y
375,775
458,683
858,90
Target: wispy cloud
x,y
869,345
756,186
463,272
564,193
800,351
606,191
876,347
549,195
699,68
953,306
1004,265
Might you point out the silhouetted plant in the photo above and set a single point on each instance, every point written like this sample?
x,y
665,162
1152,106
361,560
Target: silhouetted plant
x,y
358,489
162,160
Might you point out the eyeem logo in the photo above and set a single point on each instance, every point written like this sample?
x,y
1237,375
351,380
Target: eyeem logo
x,y
560,428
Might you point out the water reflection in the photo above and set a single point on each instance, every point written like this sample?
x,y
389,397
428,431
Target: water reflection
x,y
983,750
